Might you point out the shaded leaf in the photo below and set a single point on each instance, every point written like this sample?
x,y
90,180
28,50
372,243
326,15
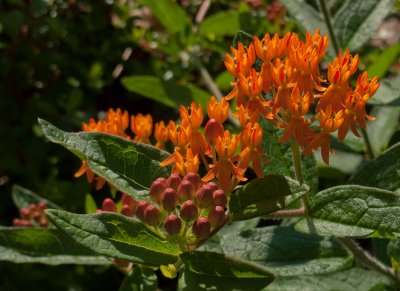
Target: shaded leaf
x,y
263,196
220,24
208,269
90,204
46,246
167,92
139,279
285,251
357,21
388,93
384,61
116,236
355,279
280,157
129,166
383,172
23,197
353,211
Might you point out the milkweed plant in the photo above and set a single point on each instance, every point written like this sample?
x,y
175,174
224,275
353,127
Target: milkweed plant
x,y
188,193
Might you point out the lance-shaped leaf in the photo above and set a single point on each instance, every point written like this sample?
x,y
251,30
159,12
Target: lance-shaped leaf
x,y
263,196
355,279
357,21
285,251
167,92
280,157
382,172
353,211
212,270
116,236
23,197
129,166
46,246
388,93
139,278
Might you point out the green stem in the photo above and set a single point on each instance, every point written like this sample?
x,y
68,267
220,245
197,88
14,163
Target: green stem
x,y
368,260
298,171
328,22
287,213
370,150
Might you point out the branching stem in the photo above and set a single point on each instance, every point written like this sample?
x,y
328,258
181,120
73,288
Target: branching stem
x,y
299,172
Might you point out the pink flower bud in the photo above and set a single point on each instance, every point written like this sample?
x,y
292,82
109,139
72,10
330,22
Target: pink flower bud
x,y
36,216
204,196
172,224
186,190
195,179
99,211
212,185
152,215
16,221
189,210
25,223
127,210
44,222
121,263
201,228
173,182
25,213
216,216
156,189
140,208
212,131
32,207
219,198
128,200
109,205
169,199
42,205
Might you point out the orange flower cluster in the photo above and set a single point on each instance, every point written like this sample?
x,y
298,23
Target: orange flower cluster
x,y
289,81
117,123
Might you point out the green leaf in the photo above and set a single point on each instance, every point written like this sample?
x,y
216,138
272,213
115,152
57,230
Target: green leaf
x,y
169,14
220,24
116,236
129,166
305,15
285,251
263,196
207,269
90,204
357,21
384,61
353,211
383,172
355,279
45,246
23,197
139,279
388,93
381,130
353,161
280,157
167,92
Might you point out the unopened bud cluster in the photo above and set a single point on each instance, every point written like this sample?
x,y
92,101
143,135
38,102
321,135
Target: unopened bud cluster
x,y
32,216
128,206
185,207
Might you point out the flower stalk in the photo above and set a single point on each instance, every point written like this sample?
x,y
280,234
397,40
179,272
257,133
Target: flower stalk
x,y
299,173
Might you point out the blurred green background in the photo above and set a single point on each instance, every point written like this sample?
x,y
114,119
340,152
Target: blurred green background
x,y
68,60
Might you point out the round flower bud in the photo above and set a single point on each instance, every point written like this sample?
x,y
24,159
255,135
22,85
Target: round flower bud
x,y
201,228
36,217
156,188
25,223
128,200
212,185
109,205
152,215
189,210
172,224
195,179
186,190
173,182
140,208
169,199
44,222
212,131
16,221
99,211
204,196
219,198
25,213
127,210
216,216
42,205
